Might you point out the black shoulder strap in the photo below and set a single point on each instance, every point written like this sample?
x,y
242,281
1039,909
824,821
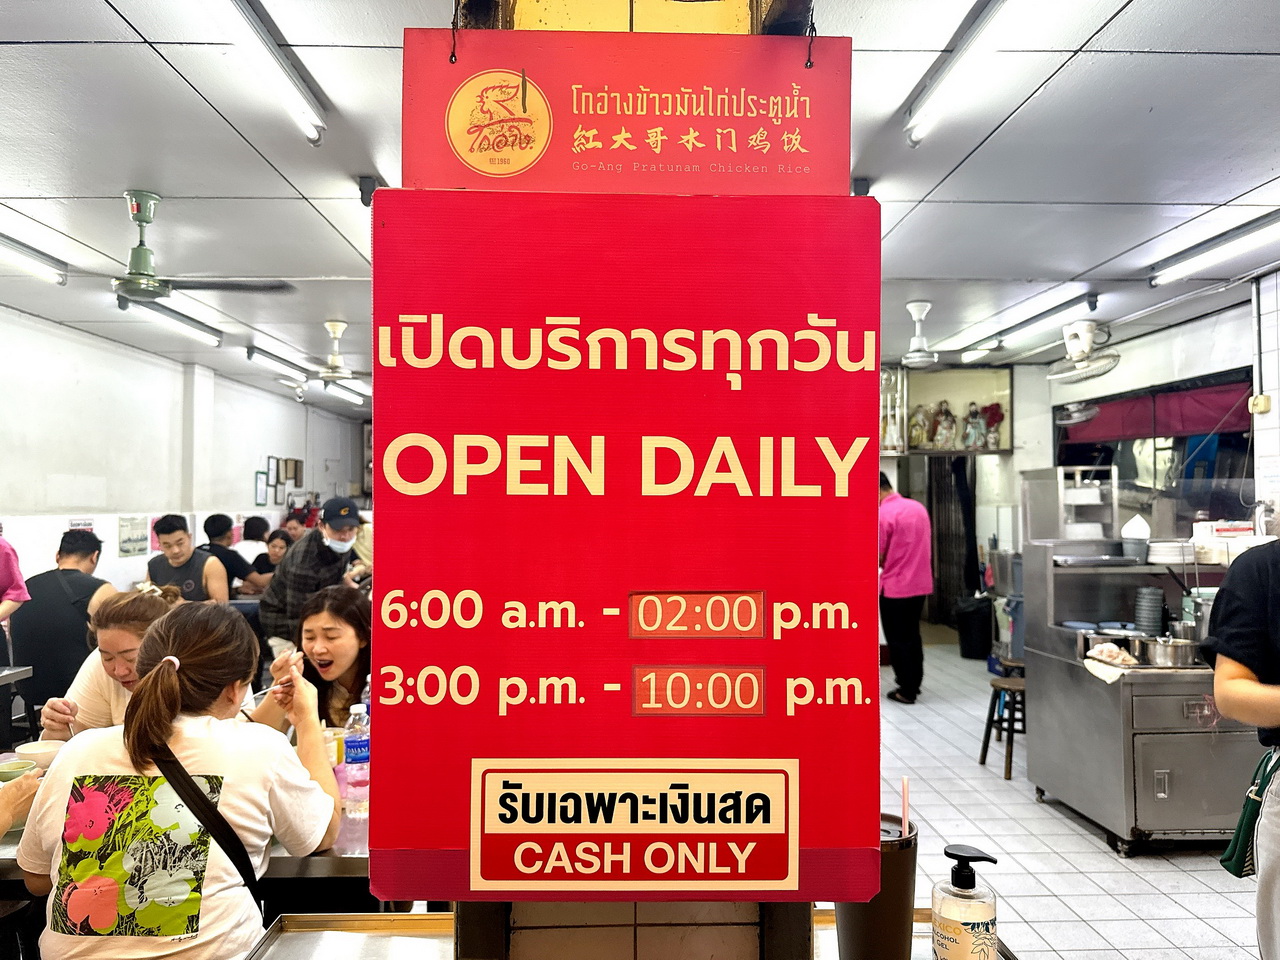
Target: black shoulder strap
x,y
198,803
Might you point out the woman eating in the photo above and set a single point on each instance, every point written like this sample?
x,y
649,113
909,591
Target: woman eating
x,y
101,689
132,869
333,636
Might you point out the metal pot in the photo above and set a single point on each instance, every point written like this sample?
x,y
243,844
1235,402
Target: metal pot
x,y
1203,607
1183,629
1164,652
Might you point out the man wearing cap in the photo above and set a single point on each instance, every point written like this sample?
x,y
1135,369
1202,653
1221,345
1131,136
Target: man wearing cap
x,y
320,559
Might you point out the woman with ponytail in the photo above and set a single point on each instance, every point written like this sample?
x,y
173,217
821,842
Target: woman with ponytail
x,y
132,870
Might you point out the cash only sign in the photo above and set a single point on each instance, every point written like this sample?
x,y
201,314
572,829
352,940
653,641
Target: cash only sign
x,y
626,458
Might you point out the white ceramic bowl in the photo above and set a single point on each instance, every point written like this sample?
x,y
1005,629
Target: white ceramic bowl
x,y
41,752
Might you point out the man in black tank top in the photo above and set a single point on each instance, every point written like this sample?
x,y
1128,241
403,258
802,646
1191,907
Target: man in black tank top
x,y
197,573
49,629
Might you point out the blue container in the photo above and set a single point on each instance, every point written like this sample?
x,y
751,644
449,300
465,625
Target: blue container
x,y
1017,636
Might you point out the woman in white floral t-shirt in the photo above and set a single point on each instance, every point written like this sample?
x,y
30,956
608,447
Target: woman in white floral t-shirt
x,y
131,870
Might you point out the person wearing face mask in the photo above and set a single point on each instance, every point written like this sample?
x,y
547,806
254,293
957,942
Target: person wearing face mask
x,y
320,559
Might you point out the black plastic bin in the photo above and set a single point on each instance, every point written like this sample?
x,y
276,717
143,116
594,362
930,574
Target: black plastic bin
x,y
973,623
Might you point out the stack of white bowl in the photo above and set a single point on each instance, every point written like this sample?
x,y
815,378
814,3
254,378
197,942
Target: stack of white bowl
x,y
1171,551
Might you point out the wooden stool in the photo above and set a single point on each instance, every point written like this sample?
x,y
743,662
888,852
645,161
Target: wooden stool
x,y
1007,714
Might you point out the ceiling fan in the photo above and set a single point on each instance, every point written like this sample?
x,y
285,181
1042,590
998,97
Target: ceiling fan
x,y
1082,361
141,283
918,355
335,369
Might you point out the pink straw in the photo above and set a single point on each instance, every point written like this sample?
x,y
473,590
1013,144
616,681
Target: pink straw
x,y
906,804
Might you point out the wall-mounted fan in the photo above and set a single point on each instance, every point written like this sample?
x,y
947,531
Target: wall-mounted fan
x,y
1083,361
1071,414
141,282
918,355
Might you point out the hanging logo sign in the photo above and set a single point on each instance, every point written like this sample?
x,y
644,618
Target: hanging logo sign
x,y
625,616
626,113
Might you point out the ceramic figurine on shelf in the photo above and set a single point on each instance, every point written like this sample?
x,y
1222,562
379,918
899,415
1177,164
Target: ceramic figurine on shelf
x,y
975,429
918,429
993,415
944,427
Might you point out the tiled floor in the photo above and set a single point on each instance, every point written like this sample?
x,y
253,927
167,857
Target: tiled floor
x,y
1062,892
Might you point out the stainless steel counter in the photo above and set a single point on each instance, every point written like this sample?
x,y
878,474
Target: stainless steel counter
x,y
1147,756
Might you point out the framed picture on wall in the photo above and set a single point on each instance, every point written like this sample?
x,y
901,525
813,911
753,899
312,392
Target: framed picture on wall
x,y
280,478
289,468
297,473
271,471
260,488
279,495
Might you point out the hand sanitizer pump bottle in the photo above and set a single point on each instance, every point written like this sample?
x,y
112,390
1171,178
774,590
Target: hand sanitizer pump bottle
x,y
964,911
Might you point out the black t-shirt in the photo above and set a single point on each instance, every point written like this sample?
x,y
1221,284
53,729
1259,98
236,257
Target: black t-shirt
x,y
262,564
50,632
1245,624
237,567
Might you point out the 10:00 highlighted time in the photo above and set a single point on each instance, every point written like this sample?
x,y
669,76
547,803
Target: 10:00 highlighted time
x,y
697,691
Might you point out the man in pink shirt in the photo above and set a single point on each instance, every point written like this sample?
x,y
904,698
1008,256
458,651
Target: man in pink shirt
x,y
13,589
906,578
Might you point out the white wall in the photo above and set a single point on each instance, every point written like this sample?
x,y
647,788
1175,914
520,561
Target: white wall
x,y
94,430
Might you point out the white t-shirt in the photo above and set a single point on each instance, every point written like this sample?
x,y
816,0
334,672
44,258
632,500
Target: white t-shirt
x,y
101,700
250,549
134,872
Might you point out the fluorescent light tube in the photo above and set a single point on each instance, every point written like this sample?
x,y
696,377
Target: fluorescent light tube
x,y
970,356
1248,236
262,54
343,393
30,260
1076,308
953,83
278,364
359,386
178,322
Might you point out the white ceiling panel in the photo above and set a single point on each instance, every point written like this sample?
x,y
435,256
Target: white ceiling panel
x,y
50,239
214,238
1183,233
1031,240
926,25
34,21
1241,26
117,116
361,88
333,23
1131,128
354,219
901,172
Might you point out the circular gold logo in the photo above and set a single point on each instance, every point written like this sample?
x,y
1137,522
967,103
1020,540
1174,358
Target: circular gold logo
x,y
498,123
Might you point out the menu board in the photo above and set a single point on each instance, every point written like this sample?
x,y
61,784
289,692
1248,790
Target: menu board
x,y
625,639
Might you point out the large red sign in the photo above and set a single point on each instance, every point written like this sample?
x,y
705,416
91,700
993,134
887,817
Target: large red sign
x,y
626,465
626,112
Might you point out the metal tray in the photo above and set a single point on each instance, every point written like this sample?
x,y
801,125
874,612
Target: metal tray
x,y
1070,560
369,936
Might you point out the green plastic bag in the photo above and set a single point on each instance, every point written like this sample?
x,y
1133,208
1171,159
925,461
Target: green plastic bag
x,y
1238,859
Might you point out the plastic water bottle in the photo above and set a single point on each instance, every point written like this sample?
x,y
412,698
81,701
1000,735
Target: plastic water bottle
x,y
366,695
355,808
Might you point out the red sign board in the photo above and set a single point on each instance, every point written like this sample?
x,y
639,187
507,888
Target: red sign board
x,y
626,112
626,460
